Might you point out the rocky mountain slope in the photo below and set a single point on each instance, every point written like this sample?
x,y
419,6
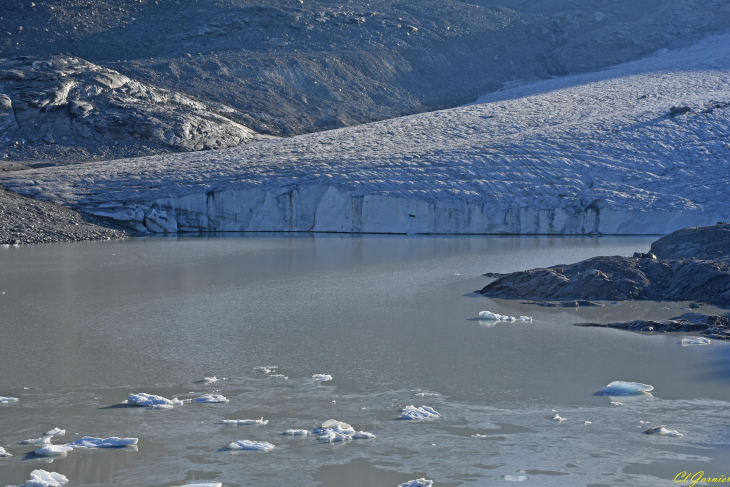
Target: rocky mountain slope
x,y
639,148
290,67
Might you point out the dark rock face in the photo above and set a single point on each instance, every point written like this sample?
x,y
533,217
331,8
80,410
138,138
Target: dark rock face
x,y
671,277
67,101
705,243
711,326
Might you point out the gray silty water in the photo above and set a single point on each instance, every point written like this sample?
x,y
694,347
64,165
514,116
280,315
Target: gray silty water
x,y
84,325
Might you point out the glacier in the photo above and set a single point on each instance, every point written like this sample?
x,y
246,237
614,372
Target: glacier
x,y
607,152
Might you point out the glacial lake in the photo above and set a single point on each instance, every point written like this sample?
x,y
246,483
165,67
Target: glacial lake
x,y
393,319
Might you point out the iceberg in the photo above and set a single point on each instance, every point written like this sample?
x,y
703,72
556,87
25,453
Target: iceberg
x,y
53,450
338,426
250,445
151,401
296,432
515,478
558,418
414,413
4,454
620,388
211,398
244,422
332,436
209,380
88,442
322,377
56,431
587,423
41,478
44,440
5,400
363,435
662,430
417,483
489,316
695,341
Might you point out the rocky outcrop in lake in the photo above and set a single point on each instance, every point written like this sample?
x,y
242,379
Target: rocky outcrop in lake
x,y
643,277
711,326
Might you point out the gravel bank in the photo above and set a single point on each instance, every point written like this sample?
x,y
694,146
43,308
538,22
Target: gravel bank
x,y
24,220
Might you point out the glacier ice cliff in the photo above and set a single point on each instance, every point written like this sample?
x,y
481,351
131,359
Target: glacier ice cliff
x,y
609,152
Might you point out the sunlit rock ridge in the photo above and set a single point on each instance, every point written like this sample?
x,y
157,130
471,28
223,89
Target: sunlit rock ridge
x,y
596,153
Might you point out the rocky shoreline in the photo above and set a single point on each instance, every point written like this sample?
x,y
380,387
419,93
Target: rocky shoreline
x,y
711,326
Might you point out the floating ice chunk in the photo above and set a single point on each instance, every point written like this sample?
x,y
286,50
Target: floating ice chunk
x,y
205,484
515,478
587,423
56,431
41,478
322,377
417,483
266,370
4,454
332,436
90,442
695,341
244,422
210,380
53,450
526,319
338,426
151,401
414,413
662,430
616,403
620,388
424,394
211,398
478,436
296,432
5,400
43,440
363,435
489,316
278,376
558,418
250,445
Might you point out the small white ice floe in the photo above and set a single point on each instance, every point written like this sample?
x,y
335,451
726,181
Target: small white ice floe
x,y
616,403
88,442
43,440
250,445
53,450
363,435
332,436
336,426
244,422
205,484
211,398
6,400
414,413
267,370
209,380
587,423
322,377
686,342
515,478
478,436
620,388
424,394
417,483
56,431
152,401
662,430
41,478
489,316
4,454
296,432
558,418
278,376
